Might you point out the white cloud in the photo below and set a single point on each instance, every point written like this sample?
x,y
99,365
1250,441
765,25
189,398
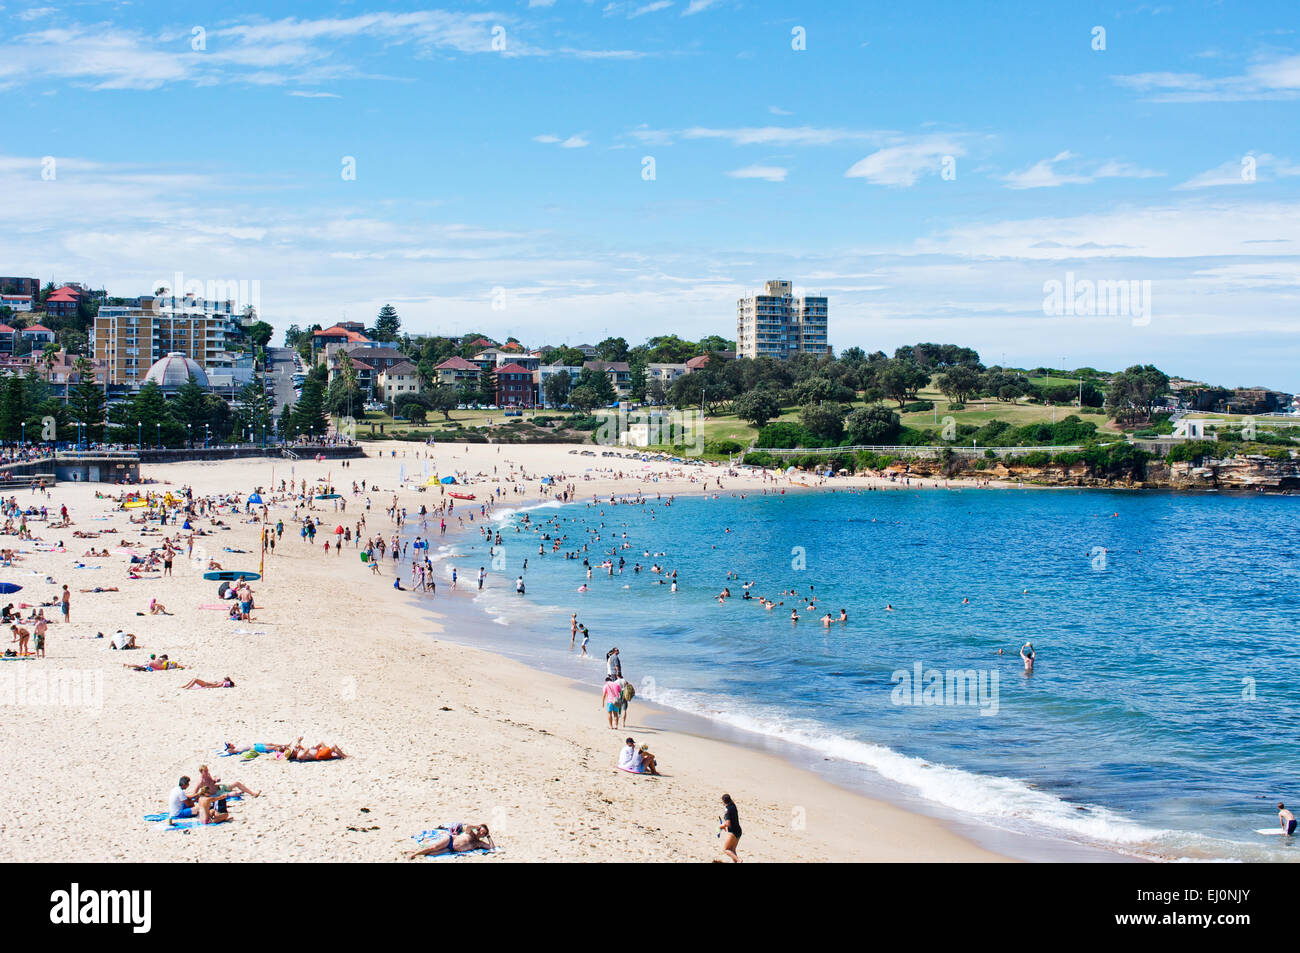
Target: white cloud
x,y
905,163
1274,78
781,135
313,95
1064,168
698,6
261,52
572,142
768,173
650,8
34,13
1246,170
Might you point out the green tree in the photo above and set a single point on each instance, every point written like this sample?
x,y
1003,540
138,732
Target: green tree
x,y
557,389
284,426
758,407
584,398
86,402
387,324
612,349
959,383
598,383
901,380
442,398
254,408
188,406
487,384
873,425
260,333
309,416
11,408
824,421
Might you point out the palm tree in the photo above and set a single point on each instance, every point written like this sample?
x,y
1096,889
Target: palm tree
x,y
51,353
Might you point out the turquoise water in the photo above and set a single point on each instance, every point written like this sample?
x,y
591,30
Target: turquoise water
x,y
1162,714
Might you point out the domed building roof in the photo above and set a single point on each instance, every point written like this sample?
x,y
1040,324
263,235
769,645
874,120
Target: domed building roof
x,y
174,370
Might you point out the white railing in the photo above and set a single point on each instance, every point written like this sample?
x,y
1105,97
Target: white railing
x,y
891,448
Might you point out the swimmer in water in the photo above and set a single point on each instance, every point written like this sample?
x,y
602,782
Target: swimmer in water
x,y
888,607
1027,655
844,616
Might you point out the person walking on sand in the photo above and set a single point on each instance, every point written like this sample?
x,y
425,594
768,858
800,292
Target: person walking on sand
x,y
611,694
729,829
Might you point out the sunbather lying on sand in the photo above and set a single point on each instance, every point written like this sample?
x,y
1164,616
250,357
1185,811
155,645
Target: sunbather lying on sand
x,y
468,837
321,752
200,683
258,747
155,664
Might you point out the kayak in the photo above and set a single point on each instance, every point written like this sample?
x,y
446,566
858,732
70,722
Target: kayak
x,y
461,496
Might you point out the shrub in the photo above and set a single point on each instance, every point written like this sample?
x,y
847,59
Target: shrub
x,y
785,435
722,447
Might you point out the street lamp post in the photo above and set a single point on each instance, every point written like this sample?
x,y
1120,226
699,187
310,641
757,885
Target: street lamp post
x,y
189,436
159,425
24,426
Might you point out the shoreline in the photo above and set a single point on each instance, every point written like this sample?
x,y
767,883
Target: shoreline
x,y
436,731
855,779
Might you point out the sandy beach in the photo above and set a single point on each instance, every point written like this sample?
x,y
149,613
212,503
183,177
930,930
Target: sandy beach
x,y
436,732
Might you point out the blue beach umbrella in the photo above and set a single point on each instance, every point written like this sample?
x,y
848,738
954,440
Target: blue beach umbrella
x,y
448,480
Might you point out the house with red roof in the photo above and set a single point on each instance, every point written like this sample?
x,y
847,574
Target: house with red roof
x,y
8,336
456,371
38,334
62,302
515,386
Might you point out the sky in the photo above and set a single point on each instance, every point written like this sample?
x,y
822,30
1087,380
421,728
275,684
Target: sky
x,y
567,170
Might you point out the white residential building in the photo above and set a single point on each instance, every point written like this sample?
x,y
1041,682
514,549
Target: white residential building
x,y
777,323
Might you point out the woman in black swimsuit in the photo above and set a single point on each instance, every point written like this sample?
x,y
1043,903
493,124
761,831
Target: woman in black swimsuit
x,y
730,824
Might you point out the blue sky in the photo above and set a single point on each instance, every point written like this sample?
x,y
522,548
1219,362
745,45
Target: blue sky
x,y
499,153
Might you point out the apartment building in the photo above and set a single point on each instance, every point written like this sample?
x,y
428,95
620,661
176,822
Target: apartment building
x,y
515,386
129,338
398,381
777,323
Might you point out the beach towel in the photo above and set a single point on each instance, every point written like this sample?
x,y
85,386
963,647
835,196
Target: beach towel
x,y
439,832
181,825
163,815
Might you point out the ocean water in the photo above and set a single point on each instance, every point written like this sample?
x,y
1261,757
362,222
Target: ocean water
x,y
1161,717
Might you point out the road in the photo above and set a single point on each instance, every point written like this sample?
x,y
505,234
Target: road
x,y
280,366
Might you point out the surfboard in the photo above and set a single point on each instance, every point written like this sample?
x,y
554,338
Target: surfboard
x,y
135,504
7,587
232,574
1271,830
329,496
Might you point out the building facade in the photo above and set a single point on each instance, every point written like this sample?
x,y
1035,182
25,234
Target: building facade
x,y
130,338
515,386
776,323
